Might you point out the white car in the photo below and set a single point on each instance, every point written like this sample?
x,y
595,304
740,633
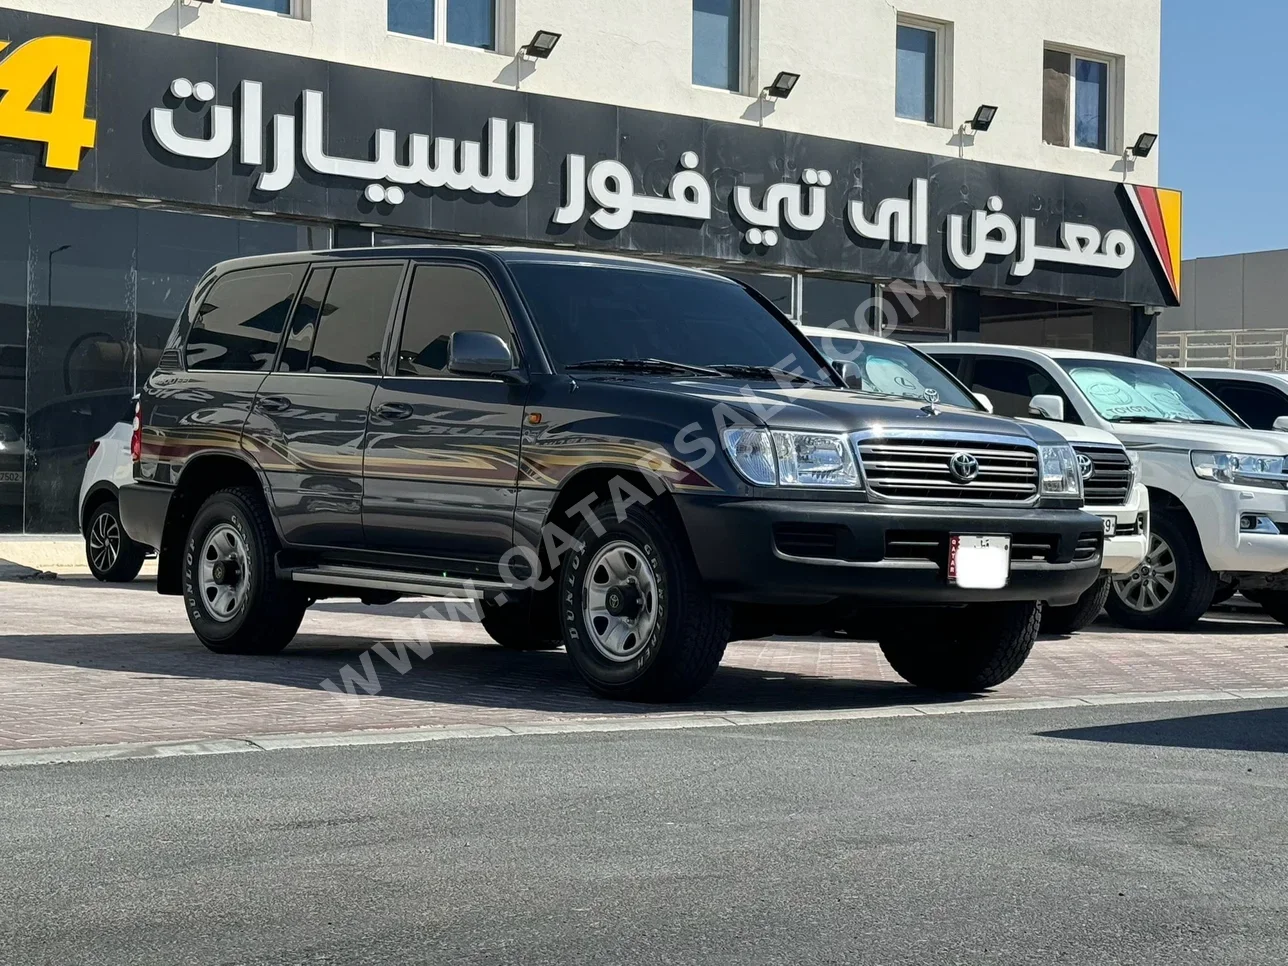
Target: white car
x,y
1260,399
1111,483
1218,490
112,556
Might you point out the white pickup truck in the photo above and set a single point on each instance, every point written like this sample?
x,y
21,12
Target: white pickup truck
x,y
1218,490
1110,477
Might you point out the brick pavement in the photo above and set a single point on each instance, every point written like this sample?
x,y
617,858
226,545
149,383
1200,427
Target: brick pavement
x,y
86,664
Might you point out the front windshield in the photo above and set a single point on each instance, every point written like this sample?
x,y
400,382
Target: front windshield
x,y
894,369
1127,392
586,313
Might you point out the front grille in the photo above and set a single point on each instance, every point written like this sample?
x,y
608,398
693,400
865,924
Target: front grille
x,y
918,470
808,540
1110,481
1088,545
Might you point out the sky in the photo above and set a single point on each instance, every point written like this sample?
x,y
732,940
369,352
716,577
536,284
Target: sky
x,y
1223,138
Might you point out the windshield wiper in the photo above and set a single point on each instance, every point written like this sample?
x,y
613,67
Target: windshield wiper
x,y
643,365
763,372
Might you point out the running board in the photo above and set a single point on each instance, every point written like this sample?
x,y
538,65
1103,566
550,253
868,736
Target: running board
x,y
365,578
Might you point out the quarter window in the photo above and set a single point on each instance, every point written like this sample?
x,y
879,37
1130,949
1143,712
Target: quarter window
x,y
241,320
446,299
353,319
717,44
1077,100
469,23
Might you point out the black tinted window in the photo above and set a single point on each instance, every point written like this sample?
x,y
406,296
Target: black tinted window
x,y
304,323
241,320
1009,384
587,312
1257,406
353,319
952,363
446,299
776,288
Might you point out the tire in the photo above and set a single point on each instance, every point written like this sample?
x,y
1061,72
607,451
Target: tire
x,y
112,556
1073,618
527,623
685,630
1175,552
1274,603
962,650
265,612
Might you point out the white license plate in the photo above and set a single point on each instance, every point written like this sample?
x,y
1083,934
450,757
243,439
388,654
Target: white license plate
x,y
10,477
1111,525
979,562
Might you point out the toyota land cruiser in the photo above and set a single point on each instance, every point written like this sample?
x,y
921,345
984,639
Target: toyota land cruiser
x,y
630,460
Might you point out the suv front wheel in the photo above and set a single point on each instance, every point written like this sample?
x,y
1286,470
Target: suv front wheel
x,y
235,602
965,649
1173,586
637,621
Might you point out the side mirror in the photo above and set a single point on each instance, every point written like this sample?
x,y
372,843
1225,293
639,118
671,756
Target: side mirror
x,y
850,373
984,401
1281,424
471,353
1047,407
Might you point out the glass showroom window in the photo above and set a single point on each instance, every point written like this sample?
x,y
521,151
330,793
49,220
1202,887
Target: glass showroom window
x,y
288,8
717,44
468,23
916,84
1077,101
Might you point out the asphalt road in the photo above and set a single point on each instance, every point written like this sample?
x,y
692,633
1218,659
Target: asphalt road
x,y
1131,834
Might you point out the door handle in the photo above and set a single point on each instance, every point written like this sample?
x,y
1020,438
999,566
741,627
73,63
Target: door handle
x,y
273,404
393,410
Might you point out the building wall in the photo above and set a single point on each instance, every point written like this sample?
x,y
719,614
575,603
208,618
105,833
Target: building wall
x,y
637,53
1231,292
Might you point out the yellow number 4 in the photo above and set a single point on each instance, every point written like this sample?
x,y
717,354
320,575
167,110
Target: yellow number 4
x,y
24,74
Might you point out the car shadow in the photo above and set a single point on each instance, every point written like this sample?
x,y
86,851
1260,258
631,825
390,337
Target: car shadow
x,y
455,673
1262,729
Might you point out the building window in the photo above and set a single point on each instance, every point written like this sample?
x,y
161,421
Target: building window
x,y
1077,100
467,23
916,84
718,43
287,8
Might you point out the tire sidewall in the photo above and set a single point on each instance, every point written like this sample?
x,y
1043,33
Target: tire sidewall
x,y
219,509
603,673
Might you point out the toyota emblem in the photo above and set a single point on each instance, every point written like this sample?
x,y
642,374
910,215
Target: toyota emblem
x,y
1087,467
963,467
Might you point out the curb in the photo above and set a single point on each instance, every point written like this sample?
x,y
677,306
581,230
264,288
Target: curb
x,y
671,722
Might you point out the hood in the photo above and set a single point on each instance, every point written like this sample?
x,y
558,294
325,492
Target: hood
x,y
1075,433
828,409
1189,436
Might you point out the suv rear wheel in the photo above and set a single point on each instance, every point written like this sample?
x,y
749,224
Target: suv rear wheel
x,y
964,649
1073,618
637,621
1173,586
112,556
235,603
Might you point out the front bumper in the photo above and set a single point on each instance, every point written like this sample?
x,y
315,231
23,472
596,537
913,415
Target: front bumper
x,y
807,552
1218,509
143,511
1127,547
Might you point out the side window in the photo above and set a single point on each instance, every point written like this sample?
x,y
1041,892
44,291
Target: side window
x,y
353,318
241,320
1011,383
952,363
446,299
304,323
1257,406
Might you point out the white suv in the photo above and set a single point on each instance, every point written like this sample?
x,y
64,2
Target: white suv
x,y
1218,489
1111,483
112,556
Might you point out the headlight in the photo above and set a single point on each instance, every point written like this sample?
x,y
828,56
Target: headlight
x,y
1244,468
1060,473
768,458
1134,458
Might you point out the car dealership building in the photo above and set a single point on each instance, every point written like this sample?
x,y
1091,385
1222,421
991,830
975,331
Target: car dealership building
x,y
933,169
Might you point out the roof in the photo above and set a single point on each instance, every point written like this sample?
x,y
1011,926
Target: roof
x,y
1246,375
847,334
1021,351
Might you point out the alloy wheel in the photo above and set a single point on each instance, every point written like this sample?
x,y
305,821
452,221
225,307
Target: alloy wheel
x,y
1150,585
104,542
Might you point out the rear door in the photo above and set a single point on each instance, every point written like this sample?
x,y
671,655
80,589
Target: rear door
x,y
442,459
310,415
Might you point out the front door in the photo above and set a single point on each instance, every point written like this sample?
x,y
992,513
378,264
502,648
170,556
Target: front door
x,y
442,452
310,416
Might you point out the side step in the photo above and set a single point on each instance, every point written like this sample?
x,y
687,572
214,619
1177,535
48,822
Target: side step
x,y
366,578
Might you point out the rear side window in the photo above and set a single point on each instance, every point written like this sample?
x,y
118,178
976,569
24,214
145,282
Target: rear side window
x,y
446,299
352,319
241,320
304,323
